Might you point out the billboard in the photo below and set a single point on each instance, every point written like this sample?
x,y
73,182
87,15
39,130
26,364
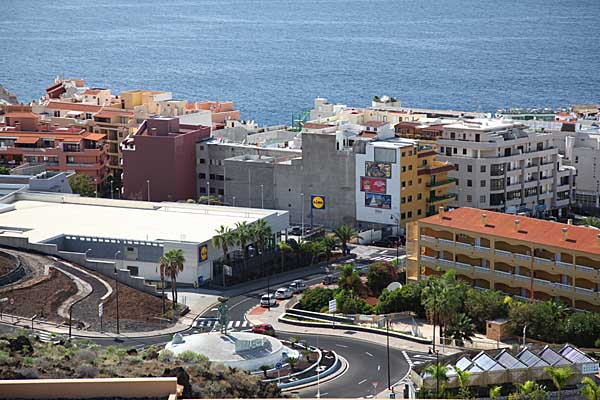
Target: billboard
x,y
377,200
378,169
373,185
203,253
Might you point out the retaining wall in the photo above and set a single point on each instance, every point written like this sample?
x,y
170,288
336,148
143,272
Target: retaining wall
x,y
15,274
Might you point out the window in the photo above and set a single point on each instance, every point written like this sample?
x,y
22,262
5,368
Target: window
x,y
482,199
403,184
221,192
410,214
483,169
403,216
410,152
88,115
469,198
419,196
404,168
403,200
409,199
469,183
452,135
464,152
133,271
469,168
201,148
202,161
424,162
482,183
202,175
403,154
456,167
212,190
454,150
220,177
211,176
57,114
410,167
202,190
420,181
410,183
419,211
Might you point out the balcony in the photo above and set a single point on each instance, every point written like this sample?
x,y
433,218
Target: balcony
x,y
445,182
503,254
445,263
522,278
503,273
438,199
481,249
585,270
543,282
563,286
428,240
482,270
462,266
522,257
543,261
564,267
584,291
446,242
462,245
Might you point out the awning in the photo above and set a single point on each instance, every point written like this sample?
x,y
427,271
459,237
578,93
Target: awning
x,y
27,139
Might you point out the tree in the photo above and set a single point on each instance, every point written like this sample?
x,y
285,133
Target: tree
x,y
264,369
495,392
345,234
350,280
306,353
461,329
243,236
175,265
224,239
163,265
440,374
329,244
261,231
528,390
292,361
4,170
590,389
485,305
538,316
443,298
463,381
590,221
315,299
284,248
82,185
380,275
560,376
349,303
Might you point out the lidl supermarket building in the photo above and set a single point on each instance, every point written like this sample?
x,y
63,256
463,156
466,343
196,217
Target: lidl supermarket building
x,y
134,234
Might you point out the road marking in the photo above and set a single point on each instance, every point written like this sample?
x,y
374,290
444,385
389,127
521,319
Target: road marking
x,y
324,394
341,345
378,367
230,324
237,324
369,354
361,382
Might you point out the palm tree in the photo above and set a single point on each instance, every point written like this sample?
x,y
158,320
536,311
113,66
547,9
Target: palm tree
x,y
590,389
345,233
243,236
283,249
306,353
350,280
440,373
461,329
590,221
261,231
224,239
463,381
264,369
495,392
163,264
175,264
560,376
292,361
529,390
329,243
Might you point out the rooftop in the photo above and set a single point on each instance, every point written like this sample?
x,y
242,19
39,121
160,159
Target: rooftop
x,y
63,105
532,230
40,217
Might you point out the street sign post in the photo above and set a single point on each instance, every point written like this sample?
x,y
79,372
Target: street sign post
x,y
332,306
317,201
278,367
100,313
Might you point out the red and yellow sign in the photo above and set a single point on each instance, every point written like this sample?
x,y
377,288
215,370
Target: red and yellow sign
x,y
373,185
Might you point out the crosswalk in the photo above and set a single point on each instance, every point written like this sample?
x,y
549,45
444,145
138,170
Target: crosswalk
x,y
209,323
47,337
419,358
382,258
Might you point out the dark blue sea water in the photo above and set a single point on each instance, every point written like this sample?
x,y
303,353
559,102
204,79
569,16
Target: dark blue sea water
x,y
272,57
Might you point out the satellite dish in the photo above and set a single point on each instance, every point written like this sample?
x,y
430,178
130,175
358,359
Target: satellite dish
x,y
393,286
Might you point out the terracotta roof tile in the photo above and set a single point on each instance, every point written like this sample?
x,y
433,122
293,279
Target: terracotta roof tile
x,y
374,124
531,230
60,105
314,125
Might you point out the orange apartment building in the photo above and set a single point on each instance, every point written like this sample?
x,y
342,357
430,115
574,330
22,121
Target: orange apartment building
x,y
24,139
524,257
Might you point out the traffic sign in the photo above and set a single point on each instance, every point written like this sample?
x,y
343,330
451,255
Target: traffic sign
x,y
278,365
317,201
100,310
332,306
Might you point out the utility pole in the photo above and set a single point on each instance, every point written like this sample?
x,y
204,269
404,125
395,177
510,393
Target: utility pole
x,y
148,183
117,287
387,324
262,196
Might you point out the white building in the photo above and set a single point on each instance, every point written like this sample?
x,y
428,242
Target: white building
x,y
582,150
133,234
500,165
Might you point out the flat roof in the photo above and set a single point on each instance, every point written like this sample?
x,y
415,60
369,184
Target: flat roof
x,y
41,219
531,230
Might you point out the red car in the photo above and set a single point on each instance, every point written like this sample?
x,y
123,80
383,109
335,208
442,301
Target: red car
x,y
263,329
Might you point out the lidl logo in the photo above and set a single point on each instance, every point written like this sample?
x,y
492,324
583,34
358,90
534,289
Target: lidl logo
x,y
203,253
318,201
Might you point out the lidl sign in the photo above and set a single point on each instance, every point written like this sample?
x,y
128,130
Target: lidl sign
x,y
317,201
203,253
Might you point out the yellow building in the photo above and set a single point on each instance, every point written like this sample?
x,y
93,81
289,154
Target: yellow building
x,y
525,257
116,124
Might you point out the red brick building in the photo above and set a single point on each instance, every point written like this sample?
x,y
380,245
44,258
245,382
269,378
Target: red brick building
x,y
159,161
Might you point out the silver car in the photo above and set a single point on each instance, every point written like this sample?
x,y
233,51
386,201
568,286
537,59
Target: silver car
x,y
283,293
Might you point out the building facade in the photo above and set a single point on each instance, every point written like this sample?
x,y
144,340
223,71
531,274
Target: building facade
x,y
500,165
524,257
159,160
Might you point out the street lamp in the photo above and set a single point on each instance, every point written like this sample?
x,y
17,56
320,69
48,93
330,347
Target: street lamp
x,y
302,197
397,219
268,293
111,190
148,183
208,193
387,329
437,375
117,287
262,196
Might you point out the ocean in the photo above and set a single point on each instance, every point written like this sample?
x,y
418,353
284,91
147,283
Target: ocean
x,y
273,57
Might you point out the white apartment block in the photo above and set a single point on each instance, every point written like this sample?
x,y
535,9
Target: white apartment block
x,y
582,150
504,166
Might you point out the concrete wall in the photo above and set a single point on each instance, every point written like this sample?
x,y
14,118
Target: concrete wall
x,y
88,388
288,178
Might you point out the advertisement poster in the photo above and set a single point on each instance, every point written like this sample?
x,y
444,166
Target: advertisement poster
x,y
378,170
373,185
376,200
203,253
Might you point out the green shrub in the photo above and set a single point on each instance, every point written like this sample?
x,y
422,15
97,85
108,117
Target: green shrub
x,y
27,361
166,356
4,357
316,299
187,356
86,371
379,276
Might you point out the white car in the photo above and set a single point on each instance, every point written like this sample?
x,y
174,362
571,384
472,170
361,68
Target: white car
x,y
268,300
284,293
298,286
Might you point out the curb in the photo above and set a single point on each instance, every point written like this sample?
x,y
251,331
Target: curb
x,y
334,375
309,381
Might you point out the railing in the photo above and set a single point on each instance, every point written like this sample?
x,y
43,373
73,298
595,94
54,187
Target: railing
x,y
542,282
462,265
441,183
563,265
482,269
446,242
563,286
503,253
500,272
543,261
584,291
429,259
428,239
446,263
581,268
523,257
435,199
522,278
464,245
482,249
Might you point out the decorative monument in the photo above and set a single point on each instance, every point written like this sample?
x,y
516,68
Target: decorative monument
x,y
245,350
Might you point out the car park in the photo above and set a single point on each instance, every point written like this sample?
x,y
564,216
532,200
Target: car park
x,y
264,329
284,293
268,300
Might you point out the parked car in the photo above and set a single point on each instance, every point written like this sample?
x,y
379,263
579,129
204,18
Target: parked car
x,y
381,243
264,329
284,293
295,230
268,300
298,286
361,269
329,280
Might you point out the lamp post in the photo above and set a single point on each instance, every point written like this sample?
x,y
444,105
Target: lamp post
x,y
148,184
208,193
262,196
387,329
302,197
117,287
437,375
111,190
397,220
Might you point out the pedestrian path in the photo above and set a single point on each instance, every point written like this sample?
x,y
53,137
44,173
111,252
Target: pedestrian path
x,y
211,322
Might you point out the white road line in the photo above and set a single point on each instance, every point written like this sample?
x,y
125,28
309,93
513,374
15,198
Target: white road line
x,y
324,394
237,324
369,354
341,345
361,382
230,324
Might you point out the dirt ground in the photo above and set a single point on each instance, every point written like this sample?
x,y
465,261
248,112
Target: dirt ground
x,y
42,299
